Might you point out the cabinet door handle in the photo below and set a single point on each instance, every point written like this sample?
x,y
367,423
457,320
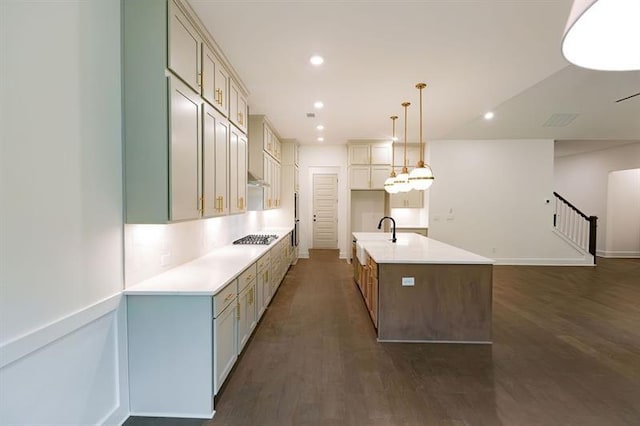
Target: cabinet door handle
x,y
200,79
238,309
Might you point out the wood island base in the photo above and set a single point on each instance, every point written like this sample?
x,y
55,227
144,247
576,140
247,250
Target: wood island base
x,y
447,303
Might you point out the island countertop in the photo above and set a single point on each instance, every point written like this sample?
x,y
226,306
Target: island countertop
x,y
414,248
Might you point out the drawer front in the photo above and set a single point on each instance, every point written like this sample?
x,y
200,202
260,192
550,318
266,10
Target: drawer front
x,y
263,262
247,277
223,299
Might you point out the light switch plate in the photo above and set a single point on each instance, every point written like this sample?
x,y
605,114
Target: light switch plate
x,y
408,281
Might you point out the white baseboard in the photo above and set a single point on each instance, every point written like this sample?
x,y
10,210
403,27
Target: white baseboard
x,y
303,254
618,254
586,261
175,415
117,417
32,341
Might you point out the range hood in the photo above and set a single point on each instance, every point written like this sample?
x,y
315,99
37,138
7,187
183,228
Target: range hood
x,y
256,181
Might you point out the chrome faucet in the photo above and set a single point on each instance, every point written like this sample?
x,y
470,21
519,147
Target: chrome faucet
x,y
393,238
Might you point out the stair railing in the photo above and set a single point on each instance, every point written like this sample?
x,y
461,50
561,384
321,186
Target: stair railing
x,y
575,225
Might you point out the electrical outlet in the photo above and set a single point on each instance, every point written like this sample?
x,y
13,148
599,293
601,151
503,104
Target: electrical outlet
x,y
408,281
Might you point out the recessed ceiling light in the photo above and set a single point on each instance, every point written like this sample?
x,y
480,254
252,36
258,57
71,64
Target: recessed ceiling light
x,y
489,115
320,127
316,60
318,105
395,139
320,139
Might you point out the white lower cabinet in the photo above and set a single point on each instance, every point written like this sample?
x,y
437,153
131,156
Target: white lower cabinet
x,y
183,347
246,314
170,343
225,336
263,289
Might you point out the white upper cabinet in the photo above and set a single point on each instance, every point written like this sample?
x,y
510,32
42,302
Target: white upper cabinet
x,y
378,175
237,171
369,165
359,154
215,160
413,155
184,47
381,153
185,168
176,134
215,81
238,109
370,153
360,177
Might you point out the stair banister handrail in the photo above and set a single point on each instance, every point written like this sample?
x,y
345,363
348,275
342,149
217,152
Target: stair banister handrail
x,y
577,210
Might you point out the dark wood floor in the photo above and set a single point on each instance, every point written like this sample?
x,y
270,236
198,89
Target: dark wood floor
x,y
566,352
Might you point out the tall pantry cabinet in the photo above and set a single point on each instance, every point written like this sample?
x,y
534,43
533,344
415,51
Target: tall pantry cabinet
x,y
181,139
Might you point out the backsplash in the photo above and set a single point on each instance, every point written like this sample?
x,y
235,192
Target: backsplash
x,y
153,249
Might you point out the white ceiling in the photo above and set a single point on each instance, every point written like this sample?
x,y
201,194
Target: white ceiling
x,y
474,55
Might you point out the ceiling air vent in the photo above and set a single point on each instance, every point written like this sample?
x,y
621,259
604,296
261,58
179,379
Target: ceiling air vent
x,y
559,120
311,115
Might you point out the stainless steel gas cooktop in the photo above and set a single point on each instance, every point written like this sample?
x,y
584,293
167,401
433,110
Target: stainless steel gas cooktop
x,y
257,239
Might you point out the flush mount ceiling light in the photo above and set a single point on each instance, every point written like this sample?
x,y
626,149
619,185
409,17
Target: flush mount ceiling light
x,y
402,180
318,105
316,60
489,115
603,35
390,183
320,127
421,177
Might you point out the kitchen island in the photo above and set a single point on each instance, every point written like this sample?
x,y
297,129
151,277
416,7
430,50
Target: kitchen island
x,y
422,290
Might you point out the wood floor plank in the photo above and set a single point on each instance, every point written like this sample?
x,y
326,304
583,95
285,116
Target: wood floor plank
x,y
566,352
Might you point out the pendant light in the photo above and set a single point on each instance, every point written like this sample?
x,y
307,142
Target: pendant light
x,y
603,35
402,180
421,177
390,183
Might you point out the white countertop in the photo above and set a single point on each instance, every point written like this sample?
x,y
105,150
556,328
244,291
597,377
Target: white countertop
x,y
414,248
207,275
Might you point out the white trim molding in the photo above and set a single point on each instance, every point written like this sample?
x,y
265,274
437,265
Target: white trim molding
x,y
32,341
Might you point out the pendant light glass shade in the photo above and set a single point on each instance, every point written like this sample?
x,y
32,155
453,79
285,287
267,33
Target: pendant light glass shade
x,y
421,177
603,35
390,183
402,181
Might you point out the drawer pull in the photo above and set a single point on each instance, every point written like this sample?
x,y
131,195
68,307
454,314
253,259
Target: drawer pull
x,y
229,297
249,277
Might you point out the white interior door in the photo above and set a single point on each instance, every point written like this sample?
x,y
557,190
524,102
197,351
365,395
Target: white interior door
x,y
325,211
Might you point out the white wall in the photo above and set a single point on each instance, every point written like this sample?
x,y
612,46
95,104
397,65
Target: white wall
x,y
583,178
61,318
623,214
489,197
367,208
327,159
